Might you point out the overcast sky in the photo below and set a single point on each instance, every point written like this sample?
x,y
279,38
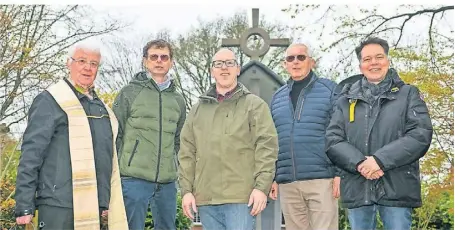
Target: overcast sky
x,y
148,18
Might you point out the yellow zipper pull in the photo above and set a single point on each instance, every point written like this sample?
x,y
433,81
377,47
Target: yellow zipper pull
x,y
352,102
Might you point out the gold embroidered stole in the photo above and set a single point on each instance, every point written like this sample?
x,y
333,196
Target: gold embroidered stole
x,y
85,194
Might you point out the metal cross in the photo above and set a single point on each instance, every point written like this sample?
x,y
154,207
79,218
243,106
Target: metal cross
x,y
255,30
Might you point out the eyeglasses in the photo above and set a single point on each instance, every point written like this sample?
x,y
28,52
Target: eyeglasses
x,y
83,62
299,57
219,63
162,57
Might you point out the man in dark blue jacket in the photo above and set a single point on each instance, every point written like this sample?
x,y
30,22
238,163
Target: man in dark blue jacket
x,y
301,111
379,130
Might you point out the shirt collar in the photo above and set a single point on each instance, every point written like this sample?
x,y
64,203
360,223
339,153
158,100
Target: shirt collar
x,y
228,95
149,76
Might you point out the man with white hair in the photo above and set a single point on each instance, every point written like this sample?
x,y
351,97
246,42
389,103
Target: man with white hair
x,y
301,110
68,168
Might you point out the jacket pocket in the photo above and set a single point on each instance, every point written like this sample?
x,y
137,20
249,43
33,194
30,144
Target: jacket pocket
x,y
419,110
198,170
133,152
413,191
402,184
62,173
351,187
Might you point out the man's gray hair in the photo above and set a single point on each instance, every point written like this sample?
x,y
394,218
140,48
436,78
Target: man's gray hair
x,y
305,44
87,45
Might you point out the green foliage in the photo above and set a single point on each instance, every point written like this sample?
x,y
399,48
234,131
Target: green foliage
x,y
9,159
108,98
7,204
343,221
441,216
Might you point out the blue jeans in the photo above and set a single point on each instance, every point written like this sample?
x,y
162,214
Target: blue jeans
x,y
226,217
139,194
393,218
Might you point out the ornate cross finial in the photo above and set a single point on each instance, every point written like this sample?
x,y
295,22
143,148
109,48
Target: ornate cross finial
x,y
255,30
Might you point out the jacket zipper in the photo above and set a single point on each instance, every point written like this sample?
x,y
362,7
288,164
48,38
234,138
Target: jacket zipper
x,y
161,135
301,108
371,184
294,114
368,108
291,108
134,152
367,137
292,150
292,138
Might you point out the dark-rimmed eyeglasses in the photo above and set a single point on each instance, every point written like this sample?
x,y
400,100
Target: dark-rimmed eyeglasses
x,y
219,63
162,57
83,62
300,57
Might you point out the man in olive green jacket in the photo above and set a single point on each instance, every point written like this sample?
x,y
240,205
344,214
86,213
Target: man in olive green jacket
x,y
228,151
150,114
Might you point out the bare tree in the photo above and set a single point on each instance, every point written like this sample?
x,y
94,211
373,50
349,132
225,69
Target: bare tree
x,y
33,42
193,52
349,25
118,69
124,61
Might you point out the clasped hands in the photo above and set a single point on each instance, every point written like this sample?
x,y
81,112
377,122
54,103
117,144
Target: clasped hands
x,y
370,169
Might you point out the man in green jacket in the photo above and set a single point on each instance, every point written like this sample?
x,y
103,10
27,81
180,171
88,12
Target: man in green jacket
x,y
151,114
228,151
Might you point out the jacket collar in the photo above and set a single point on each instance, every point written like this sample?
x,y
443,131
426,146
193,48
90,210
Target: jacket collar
x,y
141,78
211,96
313,77
77,92
355,91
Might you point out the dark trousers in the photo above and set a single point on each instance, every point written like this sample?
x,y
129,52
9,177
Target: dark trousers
x,y
57,218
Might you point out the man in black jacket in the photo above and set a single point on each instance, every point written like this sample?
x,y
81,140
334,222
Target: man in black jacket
x,y
45,176
378,132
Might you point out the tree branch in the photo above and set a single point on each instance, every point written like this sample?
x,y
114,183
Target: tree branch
x,y
410,15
